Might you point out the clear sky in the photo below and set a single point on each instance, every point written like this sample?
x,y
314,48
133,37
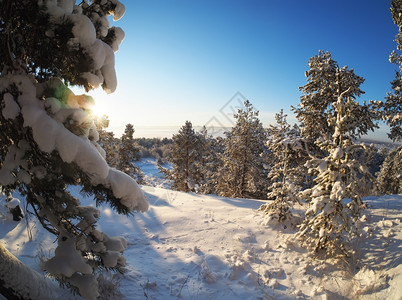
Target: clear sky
x,y
186,59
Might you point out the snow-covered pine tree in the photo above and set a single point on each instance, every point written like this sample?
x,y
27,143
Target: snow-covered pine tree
x,y
315,107
108,141
49,138
110,144
286,172
374,157
331,221
185,157
389,179
391,109
208,163
128,153
243,173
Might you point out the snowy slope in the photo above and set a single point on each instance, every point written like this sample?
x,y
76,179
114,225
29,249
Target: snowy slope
x,y
152,174
192,246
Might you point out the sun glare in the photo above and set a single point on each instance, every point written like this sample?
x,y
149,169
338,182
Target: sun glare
x,y
99,108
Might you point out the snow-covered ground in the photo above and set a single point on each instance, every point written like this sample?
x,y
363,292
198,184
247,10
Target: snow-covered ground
x,y
192,246
152,174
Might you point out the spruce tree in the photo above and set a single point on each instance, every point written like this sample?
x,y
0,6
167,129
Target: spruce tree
x,y
243,173
49,139
128,153
330,221
287,158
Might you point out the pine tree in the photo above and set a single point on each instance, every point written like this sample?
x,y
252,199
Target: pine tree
x,y
243,172
287,158
391,109
208,163
128,153
185,157
110,144
330,223
107,141
389,179
374,158
321,91
49,137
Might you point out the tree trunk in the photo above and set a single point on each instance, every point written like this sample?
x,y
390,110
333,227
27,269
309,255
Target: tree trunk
x,y
17,281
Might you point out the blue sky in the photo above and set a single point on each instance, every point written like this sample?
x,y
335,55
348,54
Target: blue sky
x,y
186,59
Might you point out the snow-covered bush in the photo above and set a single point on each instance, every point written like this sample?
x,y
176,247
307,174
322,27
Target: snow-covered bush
x,y
49,139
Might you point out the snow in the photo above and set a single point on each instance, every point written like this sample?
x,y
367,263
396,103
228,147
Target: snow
x,y
11,108
84,31
152,175
125,188
87,284
12,203
119,11
338,153
191,246
67,260
119,33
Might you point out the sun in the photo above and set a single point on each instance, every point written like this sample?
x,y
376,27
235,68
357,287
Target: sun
x,y
99,108
101,103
